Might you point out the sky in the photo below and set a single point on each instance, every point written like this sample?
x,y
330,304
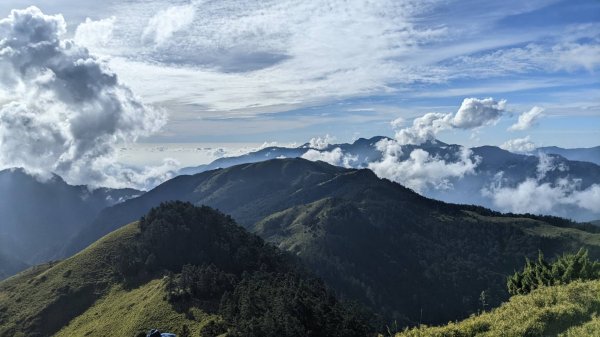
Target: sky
x,y
254,71
86,86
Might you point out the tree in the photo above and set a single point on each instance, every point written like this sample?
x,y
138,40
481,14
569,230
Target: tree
x,y
567,268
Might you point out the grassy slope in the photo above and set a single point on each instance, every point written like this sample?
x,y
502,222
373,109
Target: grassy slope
x,y
134,312
569,310
48,297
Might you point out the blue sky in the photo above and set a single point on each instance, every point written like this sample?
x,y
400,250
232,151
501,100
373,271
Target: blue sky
x,y
286,71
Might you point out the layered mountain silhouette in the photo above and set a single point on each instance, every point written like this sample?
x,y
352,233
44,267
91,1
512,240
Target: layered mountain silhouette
x,y
496,168
410,258
40,215
591,154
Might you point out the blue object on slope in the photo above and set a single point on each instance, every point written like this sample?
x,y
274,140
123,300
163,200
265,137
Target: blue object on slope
x,y
156,333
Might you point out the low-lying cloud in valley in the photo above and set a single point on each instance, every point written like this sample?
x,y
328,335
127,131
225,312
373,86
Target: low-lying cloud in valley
x,y
63,110
333,157
542,195
421,170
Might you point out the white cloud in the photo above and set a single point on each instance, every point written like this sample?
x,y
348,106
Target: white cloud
x,y
473,113
548,163
424,128
62,110
534,195
531,196
534,57
421,170
257,56
165,23
95,34
527,119
573,56
320,143
334,157
519,145
397,123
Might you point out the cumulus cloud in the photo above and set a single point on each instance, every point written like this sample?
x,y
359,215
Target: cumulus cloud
x,y
320,143
95,34
421,170
519,145
424,128
165,23
527,119
334,157
473,113
61,109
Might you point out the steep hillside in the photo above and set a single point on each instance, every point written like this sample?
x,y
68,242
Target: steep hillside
x,y
431,268
38,217
411,258
567,311
182,269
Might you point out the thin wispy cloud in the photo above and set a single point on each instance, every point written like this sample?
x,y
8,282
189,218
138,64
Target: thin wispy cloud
x,y
527,119
209,59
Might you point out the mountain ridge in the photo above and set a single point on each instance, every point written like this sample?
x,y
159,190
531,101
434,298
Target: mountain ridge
x,y
39,215
322,213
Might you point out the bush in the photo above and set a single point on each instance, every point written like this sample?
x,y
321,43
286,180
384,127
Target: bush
x,y
566,269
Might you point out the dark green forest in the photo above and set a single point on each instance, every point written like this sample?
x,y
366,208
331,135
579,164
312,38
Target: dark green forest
x,y
214,264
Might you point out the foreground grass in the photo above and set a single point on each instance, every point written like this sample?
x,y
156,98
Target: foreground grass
x,y
43,299
133,313
81,297
553,311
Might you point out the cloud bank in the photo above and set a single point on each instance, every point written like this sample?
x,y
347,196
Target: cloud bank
x,y
61,109
333,157
421,171
540,196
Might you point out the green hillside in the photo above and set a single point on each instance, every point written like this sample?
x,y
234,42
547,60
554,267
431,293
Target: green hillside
x,y
185,269
410,258
433,269
41,300
568,310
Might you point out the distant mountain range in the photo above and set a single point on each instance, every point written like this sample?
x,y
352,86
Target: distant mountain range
x,y
558,173
591,154
408,257
39,216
